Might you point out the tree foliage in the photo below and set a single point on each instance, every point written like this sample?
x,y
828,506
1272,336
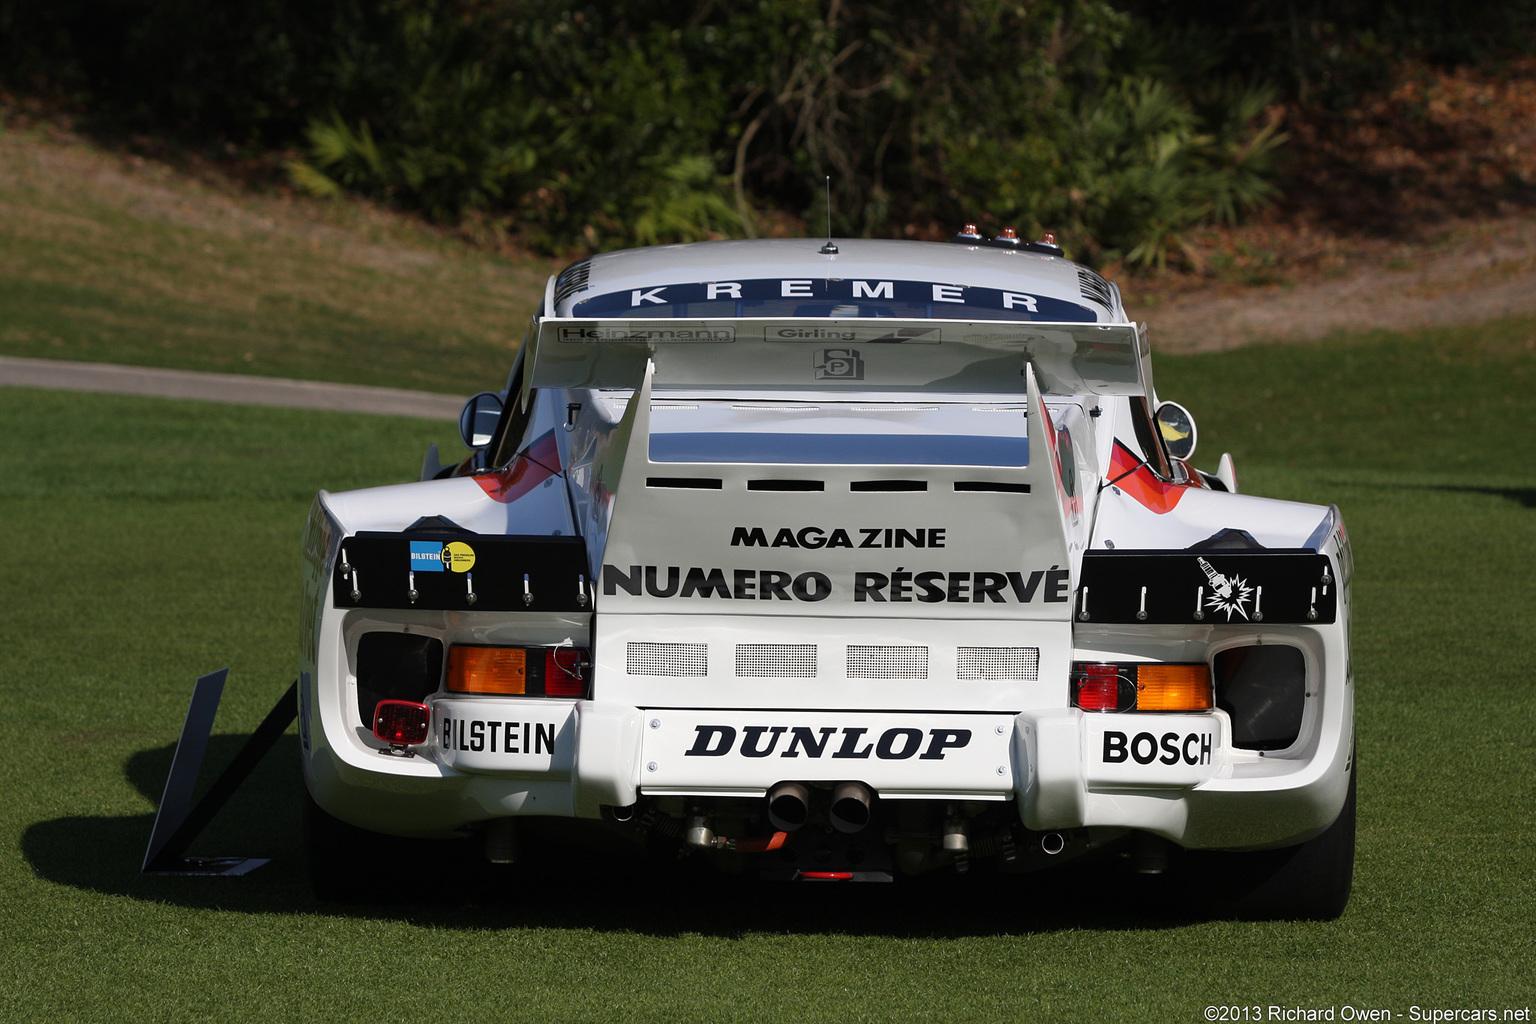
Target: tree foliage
x,y
1117,124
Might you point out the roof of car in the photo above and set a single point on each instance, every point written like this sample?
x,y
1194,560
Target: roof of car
x,y
795,277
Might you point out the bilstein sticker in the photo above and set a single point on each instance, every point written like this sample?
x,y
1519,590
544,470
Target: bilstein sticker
x,y
435,556
426,556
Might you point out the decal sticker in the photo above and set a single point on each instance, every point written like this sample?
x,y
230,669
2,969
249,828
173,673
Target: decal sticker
x,y
839,364
1228,593
497,737
814,537
458,556
863,335
1135,477
1171,748
706,335
895,744
426,556
536,465
926,298
902,586
304,710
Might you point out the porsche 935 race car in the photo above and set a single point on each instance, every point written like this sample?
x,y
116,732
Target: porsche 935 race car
x,y
851,560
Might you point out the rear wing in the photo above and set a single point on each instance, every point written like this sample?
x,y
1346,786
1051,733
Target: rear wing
x,y
842,355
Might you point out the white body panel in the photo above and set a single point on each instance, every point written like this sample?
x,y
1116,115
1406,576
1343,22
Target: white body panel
x,y
794,583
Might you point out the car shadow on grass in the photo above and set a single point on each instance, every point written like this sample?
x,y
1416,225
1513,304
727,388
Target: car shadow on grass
x,y
447,885
1525,497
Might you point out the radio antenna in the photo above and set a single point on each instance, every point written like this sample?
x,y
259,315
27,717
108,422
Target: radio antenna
x,y
829,249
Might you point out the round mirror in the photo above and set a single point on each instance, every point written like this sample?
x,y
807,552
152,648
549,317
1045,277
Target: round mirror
x,y
478,420
1177,427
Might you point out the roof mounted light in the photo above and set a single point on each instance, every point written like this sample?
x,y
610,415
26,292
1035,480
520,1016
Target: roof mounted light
x,y
968,235
1047,245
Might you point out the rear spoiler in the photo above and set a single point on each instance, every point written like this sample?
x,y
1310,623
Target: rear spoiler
x,y
842,355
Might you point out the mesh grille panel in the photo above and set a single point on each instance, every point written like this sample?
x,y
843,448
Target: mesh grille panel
x,y
776,661
887,662
571,280
999,663
1095,287
642,659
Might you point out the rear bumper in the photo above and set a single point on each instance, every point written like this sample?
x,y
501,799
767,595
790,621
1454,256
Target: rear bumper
x,y
1177,776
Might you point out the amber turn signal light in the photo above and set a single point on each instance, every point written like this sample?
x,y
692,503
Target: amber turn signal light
x,y
1173,688
487,669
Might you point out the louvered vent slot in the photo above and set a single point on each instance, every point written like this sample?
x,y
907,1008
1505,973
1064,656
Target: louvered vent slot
x,y
572,280
999,663
1095,287
887,662
643,659
776,661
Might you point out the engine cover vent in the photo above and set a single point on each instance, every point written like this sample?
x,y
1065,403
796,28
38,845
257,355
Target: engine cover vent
x,y
776,661
887,662
647,659
999,663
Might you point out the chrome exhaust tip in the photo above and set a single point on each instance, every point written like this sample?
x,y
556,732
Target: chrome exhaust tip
x,y
850,807
788,806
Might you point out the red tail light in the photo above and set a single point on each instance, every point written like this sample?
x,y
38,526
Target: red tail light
x,y
1096,687
1144,686
401,723
565,671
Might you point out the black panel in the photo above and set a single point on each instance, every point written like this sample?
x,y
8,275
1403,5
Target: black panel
x,y
377,568
395,666
1210,587
1264,690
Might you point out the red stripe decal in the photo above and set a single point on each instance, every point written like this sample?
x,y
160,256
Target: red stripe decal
x,y
1143,485
526,472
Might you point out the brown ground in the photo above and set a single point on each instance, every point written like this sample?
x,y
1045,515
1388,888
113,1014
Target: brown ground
x,y
1415,207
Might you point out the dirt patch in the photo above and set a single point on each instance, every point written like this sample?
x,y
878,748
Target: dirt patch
x,y
1480,269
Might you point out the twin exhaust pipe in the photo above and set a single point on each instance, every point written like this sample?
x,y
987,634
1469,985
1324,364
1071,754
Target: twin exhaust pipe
x,y
789,806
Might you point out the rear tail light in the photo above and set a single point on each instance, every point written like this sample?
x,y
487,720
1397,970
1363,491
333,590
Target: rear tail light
x,y
519,671
487,669
1098,688
1141,687
1173,688
401,723
565,671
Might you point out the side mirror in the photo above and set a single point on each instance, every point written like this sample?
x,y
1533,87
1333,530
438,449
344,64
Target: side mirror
x,y
1177,427
478,420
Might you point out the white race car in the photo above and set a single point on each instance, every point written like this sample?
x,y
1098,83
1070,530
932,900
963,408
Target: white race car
x,y
844,560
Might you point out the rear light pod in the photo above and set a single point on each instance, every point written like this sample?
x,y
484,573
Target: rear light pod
x,y
518,671
487,669
1141,687
401,723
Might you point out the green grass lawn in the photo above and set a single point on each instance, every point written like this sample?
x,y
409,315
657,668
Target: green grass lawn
x,y
153,541
112,260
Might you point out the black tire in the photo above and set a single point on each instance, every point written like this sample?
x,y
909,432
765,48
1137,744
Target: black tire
x,y
1309,882
348,864
341,858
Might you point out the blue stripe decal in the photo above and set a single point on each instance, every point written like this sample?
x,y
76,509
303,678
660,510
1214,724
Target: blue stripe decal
x,y
751,448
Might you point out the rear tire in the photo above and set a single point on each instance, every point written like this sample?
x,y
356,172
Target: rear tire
x,y
1309,882
342,858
